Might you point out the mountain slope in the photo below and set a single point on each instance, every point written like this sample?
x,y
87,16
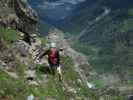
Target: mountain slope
x,y
18,77
105,33
18,15
22,76
107,46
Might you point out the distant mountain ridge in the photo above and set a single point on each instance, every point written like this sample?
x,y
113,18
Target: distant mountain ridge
x,y
58,11
63,12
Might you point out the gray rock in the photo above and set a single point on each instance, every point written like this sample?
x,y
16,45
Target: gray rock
x,y
31,97
22,47
17,14
12,74
130,97
30,74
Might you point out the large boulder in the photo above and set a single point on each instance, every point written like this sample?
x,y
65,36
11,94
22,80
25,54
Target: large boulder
x,y
19,15
130,97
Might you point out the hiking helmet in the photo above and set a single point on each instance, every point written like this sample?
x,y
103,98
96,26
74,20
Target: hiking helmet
x,y
21,34
53,45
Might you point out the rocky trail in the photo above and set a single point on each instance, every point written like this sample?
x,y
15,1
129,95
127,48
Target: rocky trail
x,y
28,55
80,61
21,54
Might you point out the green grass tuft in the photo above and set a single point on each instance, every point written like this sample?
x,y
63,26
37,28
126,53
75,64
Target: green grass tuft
x,y
9,35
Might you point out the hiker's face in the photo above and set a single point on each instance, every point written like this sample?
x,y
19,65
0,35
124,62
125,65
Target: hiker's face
x,y
33,39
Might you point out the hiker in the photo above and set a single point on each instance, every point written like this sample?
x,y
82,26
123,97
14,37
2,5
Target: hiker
x,y
53,59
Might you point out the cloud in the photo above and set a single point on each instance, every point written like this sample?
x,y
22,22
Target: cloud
x,y
53,3
68,8
74,2
81,0
65,3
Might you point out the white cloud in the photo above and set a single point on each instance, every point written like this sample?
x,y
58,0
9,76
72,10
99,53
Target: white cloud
x,y
52,5
74,2
68,8
81,0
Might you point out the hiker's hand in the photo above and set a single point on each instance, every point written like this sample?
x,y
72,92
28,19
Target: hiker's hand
x,y
59,70
38,60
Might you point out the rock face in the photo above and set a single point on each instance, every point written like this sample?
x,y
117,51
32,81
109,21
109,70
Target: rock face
x,y
18,15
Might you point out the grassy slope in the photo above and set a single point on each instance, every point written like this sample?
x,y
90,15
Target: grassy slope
x,y
108,44
109,40
17,89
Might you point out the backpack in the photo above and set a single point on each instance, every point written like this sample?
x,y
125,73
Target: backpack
x,y
53,56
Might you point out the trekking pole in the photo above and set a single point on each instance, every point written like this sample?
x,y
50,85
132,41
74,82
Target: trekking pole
x,y
60,71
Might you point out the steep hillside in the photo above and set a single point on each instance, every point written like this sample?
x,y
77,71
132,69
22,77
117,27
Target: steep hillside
x,y
18,15
22,75
103,72
103,31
